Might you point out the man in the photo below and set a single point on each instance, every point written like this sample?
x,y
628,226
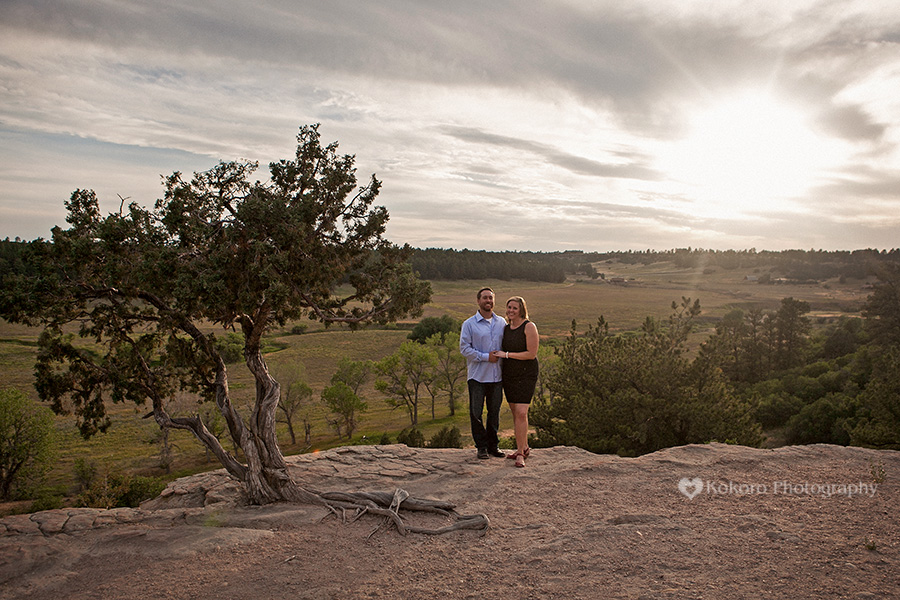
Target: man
x,y
481,334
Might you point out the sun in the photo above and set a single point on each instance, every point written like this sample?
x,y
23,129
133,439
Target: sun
x,y
746,155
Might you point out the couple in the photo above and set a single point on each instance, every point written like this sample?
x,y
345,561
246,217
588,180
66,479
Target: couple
x,y
500,357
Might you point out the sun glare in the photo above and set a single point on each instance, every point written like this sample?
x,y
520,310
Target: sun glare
x,y
746,155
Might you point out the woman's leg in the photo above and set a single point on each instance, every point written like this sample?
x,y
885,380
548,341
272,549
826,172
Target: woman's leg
x,y
520,425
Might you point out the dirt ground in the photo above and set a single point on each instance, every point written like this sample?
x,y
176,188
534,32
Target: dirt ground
x,y
701,521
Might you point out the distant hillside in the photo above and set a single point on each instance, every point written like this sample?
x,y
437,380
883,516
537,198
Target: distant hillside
x,y
553,267
800,265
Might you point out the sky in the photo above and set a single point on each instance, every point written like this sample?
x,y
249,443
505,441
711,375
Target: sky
x,y
524,125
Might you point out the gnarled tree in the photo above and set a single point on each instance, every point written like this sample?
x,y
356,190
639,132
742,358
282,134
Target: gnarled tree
x,y
145,286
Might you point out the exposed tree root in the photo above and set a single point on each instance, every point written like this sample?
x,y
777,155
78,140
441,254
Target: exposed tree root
x,y
389,505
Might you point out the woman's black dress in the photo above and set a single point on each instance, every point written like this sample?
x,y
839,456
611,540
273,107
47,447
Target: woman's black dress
x,y
519,376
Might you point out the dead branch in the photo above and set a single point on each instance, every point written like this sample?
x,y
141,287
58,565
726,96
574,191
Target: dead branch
x,y
389,505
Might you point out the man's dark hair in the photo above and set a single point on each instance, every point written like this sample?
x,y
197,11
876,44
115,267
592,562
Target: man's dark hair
x,y
484,289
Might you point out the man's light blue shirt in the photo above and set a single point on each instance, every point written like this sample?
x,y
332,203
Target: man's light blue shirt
x,y
478,338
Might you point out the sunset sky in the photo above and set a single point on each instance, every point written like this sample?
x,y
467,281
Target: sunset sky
x,y
498,125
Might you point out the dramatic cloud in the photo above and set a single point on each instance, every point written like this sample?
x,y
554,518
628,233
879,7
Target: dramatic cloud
x,y
530,125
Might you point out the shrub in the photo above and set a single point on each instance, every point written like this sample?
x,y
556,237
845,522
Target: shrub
x,y
141,488
46,500
447,437
508,443
412,437
111,490
430,326
85,472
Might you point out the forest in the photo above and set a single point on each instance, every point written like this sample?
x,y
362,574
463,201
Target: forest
x,y
448,264
795,265
762,376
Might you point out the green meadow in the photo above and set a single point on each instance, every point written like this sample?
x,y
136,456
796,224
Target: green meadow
x,y
133,444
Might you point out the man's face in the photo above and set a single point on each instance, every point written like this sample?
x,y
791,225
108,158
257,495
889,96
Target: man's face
x,y
486,301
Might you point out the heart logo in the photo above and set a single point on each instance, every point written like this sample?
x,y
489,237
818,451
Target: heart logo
x,y
690,487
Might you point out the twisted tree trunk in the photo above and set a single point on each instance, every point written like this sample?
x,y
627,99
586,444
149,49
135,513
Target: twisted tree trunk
x,y
265,476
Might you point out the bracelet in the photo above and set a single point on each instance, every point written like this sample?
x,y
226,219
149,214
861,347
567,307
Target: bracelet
x,y
507,355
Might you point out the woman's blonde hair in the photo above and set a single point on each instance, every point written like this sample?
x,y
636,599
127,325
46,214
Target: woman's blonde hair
x,y
523,310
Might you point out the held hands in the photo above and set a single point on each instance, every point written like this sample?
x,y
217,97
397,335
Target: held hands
x,y
498,354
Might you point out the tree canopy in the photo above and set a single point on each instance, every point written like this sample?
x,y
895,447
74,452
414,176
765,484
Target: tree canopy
x,y
26,440
634,394
130,303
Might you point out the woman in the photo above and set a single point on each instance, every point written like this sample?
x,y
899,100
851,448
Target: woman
x,y
520,370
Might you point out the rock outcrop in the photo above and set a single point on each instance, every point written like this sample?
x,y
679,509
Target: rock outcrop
x,y
700,521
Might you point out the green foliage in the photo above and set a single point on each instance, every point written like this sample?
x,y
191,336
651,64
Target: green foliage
x,y
46,500
85,472
405,376
111,490
435,264
450,366
509,443
385,439
844,338
788,333
430,326
748,347
828,420
775,409
797,265
230,347
882,309
342,396
847,396
26,441
813,389
299,329
878,424
354,373
295,399
631,395
447,437
343,403
142,287
412,437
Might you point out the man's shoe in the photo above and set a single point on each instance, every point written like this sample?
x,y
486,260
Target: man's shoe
x,y
483,453
496,452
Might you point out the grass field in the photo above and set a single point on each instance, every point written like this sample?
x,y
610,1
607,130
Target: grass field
x,y
647,291
132,444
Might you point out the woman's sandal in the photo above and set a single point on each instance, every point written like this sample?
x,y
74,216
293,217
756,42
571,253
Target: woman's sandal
x,y
520,460
517,453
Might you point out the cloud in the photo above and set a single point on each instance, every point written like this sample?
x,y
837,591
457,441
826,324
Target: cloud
x,y
560,109
573,163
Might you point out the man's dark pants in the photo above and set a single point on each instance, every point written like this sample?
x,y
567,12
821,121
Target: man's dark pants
x,y
485,435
